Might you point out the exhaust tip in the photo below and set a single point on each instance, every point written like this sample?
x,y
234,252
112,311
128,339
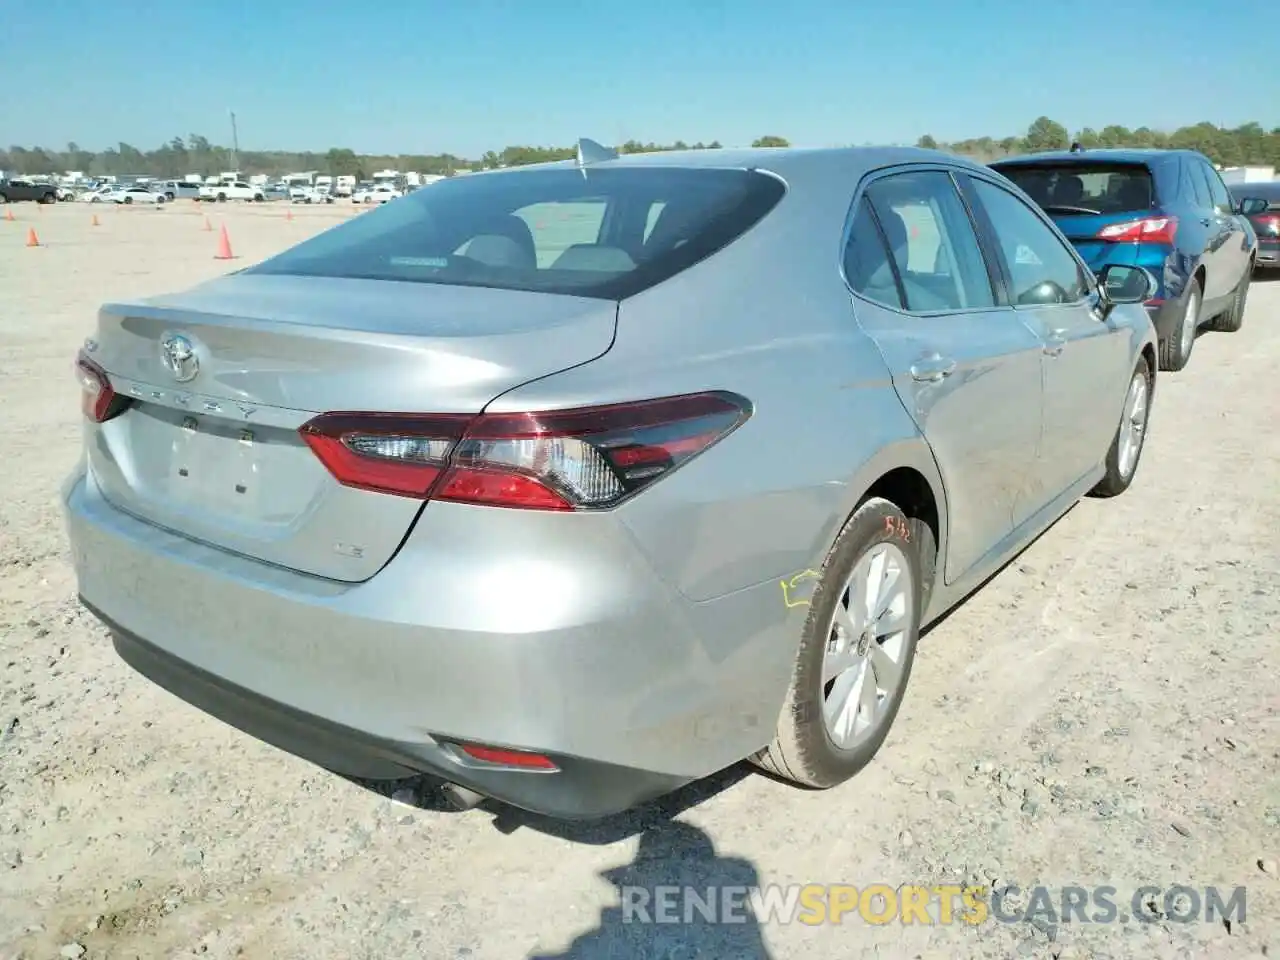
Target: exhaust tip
x,y
460,798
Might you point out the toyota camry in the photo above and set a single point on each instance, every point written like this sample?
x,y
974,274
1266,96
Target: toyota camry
x,y
571,484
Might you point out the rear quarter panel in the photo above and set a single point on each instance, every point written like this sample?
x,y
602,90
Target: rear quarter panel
x,y
769,318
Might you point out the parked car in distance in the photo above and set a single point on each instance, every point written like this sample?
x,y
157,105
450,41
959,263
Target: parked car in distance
x,y
726,429
1165,210
176,189
308,195
131,194
234,190
1265,220
97,194
378,193
20,188
275,191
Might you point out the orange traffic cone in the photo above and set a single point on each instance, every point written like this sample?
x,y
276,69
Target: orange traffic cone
x,y
208,227
8,215
32,239
288,214
224,246
95,222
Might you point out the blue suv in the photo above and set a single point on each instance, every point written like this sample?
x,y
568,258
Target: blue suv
x,y
1165,210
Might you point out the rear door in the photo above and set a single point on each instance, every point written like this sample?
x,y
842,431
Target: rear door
x,y
966,366
1086,360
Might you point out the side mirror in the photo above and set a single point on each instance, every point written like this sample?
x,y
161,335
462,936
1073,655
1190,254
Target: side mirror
x,y
1251,206
1118,283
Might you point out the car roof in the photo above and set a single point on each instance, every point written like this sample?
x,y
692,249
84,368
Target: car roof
x,y
846,162
1268,190
1100,155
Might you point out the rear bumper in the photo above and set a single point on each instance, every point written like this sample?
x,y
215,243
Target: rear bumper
x,y
572,650
579,789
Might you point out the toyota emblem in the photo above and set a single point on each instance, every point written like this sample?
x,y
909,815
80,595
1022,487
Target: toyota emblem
x,y
179,358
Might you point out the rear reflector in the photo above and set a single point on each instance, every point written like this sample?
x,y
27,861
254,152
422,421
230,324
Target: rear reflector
x,y
98,401
1146,230
579,459
507,758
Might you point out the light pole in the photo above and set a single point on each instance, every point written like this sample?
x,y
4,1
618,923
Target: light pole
x,y
235,143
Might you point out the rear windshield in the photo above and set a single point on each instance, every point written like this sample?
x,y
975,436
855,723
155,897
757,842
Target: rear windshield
x,y
608,233
1084,188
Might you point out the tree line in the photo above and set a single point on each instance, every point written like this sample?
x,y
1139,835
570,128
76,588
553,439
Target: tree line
x,y
1243,145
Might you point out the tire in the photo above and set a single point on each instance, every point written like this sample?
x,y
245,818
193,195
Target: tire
x,y
128,199
805,749
1232,319
1176,350
1122,459
222,198
4,198
49,198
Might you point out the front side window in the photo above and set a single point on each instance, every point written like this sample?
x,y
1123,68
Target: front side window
x,y
549,230
1040,267
935,251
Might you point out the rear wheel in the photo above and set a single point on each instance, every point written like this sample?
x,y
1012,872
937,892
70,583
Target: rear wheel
x,y
1126,446
1232,319
128,199
856,650
1175,350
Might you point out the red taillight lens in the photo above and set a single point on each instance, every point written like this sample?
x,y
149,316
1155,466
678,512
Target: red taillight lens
x,y
577,459
98,401
1267,223
386,453
1146,230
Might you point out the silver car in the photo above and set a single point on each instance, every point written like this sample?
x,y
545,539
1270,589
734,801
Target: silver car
x,y
571,484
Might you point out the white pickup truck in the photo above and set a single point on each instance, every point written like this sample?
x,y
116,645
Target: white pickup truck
x,y
232,190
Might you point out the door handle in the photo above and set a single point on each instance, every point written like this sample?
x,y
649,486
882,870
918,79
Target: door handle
x,y
932,368
1056,342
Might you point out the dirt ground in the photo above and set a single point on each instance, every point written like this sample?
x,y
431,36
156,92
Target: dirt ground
x,y
1104,712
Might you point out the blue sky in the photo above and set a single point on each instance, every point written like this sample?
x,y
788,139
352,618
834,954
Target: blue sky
x,y
464,76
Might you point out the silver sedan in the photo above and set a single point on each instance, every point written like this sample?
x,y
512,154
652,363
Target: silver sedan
x,y
573,483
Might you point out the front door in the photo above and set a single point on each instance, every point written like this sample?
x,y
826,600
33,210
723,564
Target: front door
x,y
967,369
1085,357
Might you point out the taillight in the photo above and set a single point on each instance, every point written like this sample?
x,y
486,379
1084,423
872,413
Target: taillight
x,y
579,459
1268,223
1146,230
98,401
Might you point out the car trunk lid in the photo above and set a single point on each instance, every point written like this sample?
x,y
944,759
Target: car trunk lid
x,y
209,447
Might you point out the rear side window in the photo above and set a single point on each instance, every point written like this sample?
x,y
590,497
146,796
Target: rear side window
x,y
1194,178
608,234
866,260
1085,189
935,253
1217,190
